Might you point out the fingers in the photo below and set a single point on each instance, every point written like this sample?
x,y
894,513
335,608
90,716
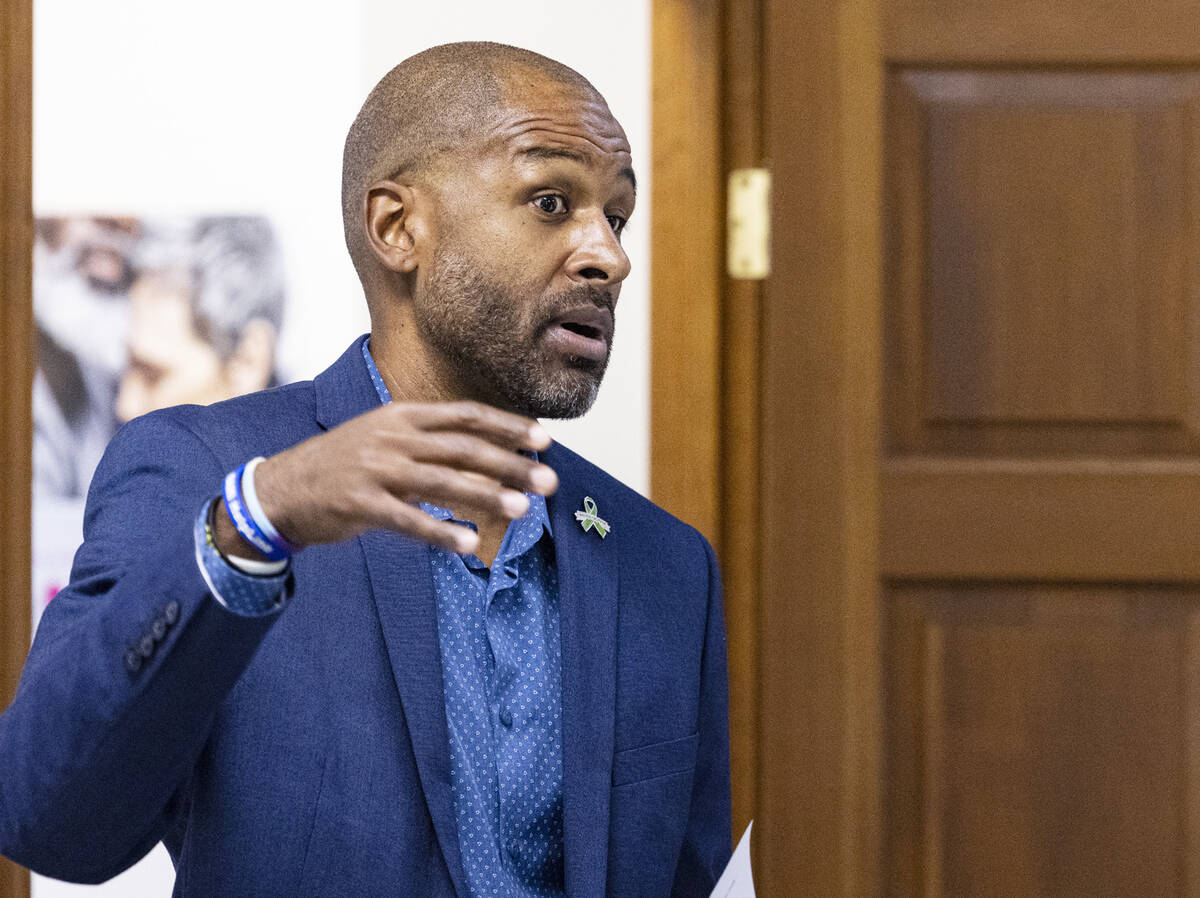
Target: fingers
x,y
459,490
464,456
473,454
411,521
499,427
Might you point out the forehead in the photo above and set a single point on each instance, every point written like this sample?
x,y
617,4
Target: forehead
x,y
538,113
160,317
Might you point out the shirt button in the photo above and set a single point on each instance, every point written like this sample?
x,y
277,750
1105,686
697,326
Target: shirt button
x,y
506,717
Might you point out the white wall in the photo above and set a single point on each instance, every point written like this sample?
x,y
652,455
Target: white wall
x,y
147,107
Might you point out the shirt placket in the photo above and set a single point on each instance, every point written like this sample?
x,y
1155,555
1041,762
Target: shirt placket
x,y
521,634
461,627
504,607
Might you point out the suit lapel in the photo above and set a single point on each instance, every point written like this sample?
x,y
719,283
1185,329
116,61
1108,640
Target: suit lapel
x,y
587,587
402,588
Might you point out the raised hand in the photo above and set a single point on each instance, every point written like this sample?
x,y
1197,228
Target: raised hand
x,y
369,472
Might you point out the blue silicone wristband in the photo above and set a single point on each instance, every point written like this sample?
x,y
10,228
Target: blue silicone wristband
x,y
240,515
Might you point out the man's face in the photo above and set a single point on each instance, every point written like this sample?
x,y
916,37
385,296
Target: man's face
x,y
527,266
169,363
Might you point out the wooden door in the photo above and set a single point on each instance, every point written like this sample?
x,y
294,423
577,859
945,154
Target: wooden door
x,y
967,614
1040,595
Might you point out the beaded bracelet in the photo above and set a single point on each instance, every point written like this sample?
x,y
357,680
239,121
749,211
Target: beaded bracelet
x,y
244,520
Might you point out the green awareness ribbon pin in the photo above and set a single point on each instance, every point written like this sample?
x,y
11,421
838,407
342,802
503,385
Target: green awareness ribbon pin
x,y
587,518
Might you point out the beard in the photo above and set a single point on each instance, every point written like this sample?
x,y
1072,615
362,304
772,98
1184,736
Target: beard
x,y
490,338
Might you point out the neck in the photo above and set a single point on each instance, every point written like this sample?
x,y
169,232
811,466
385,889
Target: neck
x,y
409,369
414,372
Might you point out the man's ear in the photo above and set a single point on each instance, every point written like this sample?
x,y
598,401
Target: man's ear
x,y
395,225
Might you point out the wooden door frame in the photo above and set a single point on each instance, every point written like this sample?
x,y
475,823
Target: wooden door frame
x,y
765,405
16,344
706,97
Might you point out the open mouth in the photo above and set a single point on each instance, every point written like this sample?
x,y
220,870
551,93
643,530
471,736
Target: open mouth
x,y
584,330
582,334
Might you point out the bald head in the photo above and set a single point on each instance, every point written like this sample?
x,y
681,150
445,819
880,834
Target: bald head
x,y
428,107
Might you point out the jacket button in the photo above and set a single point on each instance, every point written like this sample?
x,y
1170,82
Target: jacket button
x,y
133,661
171,613
145,646
158,629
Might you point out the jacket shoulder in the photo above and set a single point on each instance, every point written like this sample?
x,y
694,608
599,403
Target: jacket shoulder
x,y
260,423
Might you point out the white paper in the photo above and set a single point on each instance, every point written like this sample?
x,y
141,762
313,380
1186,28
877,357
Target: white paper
x,y
736,881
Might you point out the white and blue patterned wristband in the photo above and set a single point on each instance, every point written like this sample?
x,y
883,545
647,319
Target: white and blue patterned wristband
x,y
266,539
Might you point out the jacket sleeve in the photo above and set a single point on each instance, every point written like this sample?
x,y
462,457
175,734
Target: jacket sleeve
x,y
130,663
707,842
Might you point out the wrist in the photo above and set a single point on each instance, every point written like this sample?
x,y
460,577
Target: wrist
x,y
246,515
266,484
228,541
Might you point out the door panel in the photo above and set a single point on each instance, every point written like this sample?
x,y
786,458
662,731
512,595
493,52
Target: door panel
x,y
16,345
1045,739
1040,485
1079,519
1045,231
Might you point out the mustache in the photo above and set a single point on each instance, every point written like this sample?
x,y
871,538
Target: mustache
x,y
585,294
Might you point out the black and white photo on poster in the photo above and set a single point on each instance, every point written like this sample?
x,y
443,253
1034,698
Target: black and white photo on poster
x,y
135,314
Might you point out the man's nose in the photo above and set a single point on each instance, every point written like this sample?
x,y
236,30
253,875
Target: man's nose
x,y
598,258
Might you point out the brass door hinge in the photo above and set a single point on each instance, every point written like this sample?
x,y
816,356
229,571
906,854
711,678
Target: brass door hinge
x,y
748,224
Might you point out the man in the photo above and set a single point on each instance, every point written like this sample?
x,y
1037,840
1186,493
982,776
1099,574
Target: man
x,y
204,314
136,315
82,270
311,675
142,315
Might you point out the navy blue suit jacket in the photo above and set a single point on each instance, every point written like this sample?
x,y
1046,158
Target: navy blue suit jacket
x,y
307,753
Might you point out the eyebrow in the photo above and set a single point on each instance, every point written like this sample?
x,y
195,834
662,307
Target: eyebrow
x,y
136,360
564,153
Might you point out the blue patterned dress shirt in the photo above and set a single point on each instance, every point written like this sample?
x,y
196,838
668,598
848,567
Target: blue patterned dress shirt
x,y
498,632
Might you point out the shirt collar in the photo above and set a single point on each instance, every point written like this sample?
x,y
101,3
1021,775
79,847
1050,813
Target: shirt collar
x,y
538,514
381,389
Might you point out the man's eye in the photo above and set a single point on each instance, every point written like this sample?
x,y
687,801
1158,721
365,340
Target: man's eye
x,y
617,223
552,204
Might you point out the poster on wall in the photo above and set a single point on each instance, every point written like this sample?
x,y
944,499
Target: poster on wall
x,y
135,314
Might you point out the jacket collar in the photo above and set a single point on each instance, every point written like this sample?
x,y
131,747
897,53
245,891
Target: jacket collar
x,y
402,586
344,389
